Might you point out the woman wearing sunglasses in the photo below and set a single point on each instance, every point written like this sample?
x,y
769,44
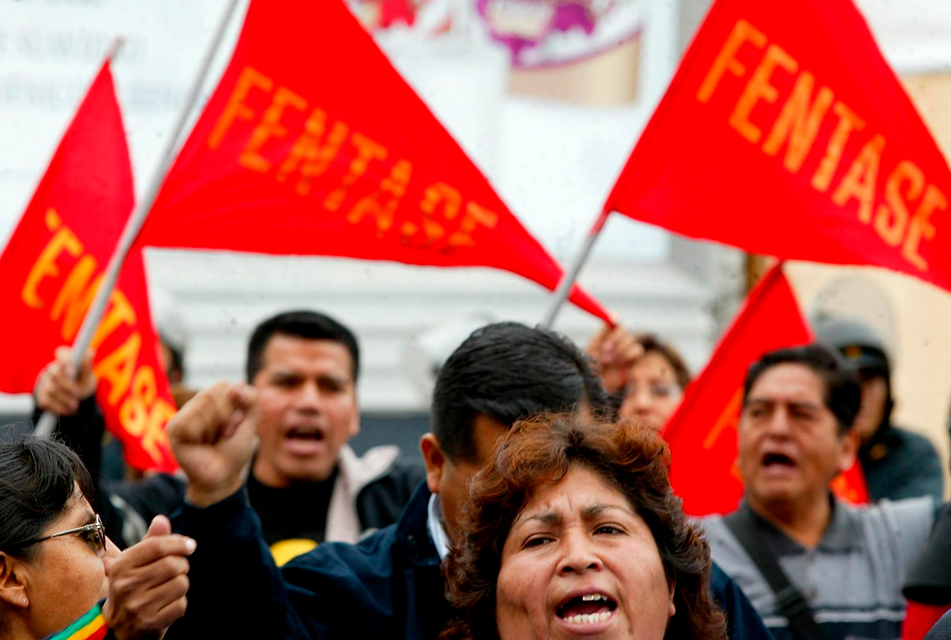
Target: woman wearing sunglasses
x,y
60,576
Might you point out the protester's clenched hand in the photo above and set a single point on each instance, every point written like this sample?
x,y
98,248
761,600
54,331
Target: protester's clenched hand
x,y
213,438
147,584
614,350
59,389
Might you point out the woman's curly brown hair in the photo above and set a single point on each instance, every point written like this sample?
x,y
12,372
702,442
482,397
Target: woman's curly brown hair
x,y
632,458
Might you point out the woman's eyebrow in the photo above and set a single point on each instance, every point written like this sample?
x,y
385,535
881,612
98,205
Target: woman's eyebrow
x,y
595,510
547,518
552,518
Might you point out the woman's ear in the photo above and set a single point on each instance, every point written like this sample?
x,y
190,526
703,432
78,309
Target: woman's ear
x,y
672,588
12,584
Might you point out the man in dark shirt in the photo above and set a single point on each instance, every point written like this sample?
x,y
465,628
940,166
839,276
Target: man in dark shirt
x,y
305,482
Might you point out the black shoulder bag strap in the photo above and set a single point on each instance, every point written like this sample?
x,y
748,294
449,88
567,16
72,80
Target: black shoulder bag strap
x,y
791,602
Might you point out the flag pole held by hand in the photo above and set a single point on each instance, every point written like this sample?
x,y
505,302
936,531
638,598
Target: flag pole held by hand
x,y
47,422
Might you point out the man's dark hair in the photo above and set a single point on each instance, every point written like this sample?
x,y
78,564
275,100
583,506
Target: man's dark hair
x,y
507,371
38,477
309,325
843,392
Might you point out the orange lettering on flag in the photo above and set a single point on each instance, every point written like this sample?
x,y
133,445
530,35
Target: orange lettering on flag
x,y
367,151
921,226
475,215
729,419
798,126
270,127
726,60
436,197
143,414
315,155
382,204
249,79
76,296
120,312
45,266
848,122
441,195
759,88
799,122
891,220
862,178
118,367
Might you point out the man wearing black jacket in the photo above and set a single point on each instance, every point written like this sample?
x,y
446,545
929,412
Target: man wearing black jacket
x,y
305,483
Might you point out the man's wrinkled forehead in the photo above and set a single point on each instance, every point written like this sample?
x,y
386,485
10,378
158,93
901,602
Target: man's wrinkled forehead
x,y
790,382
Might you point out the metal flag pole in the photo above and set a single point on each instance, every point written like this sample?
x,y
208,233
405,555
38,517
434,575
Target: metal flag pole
x,y
47,422
114,48
568,280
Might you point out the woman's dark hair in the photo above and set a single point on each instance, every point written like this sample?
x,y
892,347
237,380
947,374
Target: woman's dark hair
x,y
651,343
631,457
38,478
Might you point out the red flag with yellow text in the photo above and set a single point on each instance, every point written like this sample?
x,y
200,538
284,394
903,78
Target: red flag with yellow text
x,y
785,133
53,263
702,432
313,144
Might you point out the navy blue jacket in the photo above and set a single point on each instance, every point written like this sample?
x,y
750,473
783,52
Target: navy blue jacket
x,y
387,586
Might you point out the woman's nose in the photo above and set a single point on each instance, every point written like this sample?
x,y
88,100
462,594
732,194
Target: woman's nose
x,y
579,554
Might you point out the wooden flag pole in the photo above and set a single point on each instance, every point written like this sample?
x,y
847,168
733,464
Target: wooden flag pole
x,y
756,265
568,280
47,422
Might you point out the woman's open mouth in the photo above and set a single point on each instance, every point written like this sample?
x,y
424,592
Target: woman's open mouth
x,y
587,609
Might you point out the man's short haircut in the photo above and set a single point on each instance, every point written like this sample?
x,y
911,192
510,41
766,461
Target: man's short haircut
x,y
38,477
507,371
309,325
843,391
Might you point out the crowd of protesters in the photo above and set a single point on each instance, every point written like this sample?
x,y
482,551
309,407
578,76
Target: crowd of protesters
x,y
542,508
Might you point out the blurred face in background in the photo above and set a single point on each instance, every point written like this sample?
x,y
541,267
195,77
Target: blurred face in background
x,y
790,444
307,409
872,410
652,393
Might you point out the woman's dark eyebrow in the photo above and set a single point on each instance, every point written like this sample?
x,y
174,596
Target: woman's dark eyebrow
x,y
549,518
595,510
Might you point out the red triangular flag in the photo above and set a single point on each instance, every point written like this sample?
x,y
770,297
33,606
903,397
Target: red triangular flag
x,y
51,268
785,133
313,144
702,432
